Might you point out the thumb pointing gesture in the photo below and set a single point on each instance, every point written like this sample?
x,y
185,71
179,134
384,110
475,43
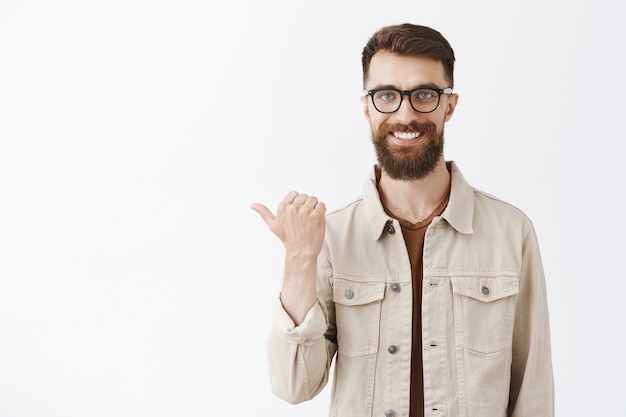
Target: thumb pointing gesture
x,y
299,223
265,213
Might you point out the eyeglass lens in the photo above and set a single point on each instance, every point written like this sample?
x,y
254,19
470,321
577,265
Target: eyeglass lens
x,y
423,100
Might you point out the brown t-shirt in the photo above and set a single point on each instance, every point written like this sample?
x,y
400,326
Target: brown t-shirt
x,y
414,238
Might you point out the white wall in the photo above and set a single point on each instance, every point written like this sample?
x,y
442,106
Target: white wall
x,y
134,134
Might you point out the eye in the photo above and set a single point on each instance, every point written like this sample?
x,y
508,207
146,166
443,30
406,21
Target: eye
x,y
424,95
386,95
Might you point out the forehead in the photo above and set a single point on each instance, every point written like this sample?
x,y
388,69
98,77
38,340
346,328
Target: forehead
x,y
404,72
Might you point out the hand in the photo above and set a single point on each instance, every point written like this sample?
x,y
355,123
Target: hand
x,y
299,223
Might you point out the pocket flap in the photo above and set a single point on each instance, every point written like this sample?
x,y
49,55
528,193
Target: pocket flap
x,y
485,289
351,293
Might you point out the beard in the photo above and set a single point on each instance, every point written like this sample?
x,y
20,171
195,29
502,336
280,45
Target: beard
x,y
410,162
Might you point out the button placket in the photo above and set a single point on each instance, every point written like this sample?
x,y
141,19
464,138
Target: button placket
x,y
393,349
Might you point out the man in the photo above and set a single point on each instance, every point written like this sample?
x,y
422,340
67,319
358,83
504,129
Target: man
x,y
429,292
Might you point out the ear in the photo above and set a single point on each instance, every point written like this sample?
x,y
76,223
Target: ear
x,y
453,99
366,109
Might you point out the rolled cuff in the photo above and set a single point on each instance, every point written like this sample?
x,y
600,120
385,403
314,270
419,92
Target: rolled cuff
x,y
311,329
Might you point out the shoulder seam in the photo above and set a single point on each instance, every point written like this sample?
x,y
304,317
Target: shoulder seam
x,y
345,206
494,198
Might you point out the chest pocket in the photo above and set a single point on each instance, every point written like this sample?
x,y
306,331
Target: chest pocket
x,y
484,312
357,316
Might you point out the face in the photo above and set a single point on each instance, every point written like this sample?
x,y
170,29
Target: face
x,y
409,144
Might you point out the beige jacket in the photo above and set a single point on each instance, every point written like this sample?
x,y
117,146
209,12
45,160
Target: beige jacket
x,y
485,320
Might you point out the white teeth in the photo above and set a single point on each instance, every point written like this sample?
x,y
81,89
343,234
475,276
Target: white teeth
x,y
406,135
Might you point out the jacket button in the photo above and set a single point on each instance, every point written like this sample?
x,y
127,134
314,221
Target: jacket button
x,y
395,287
485,290
349,294
389,413
392,349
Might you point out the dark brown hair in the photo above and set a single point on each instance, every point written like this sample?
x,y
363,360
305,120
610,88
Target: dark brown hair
x,y
410,40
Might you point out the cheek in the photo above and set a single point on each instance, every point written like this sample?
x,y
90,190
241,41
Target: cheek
x,y
377,119
438,118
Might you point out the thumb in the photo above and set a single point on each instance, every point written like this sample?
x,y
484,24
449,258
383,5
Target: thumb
x,y
265,213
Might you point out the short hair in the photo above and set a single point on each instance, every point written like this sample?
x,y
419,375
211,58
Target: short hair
x,y
410,40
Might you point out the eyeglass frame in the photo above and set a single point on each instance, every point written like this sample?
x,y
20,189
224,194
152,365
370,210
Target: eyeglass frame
x,y
408,93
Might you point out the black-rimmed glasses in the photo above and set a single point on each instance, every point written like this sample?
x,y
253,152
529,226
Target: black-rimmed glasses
x,y
423,100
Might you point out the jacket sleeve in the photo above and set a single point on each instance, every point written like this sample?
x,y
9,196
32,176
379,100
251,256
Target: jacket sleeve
x,y
299,357
532,384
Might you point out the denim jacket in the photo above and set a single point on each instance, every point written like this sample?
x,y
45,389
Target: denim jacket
x,y
485,326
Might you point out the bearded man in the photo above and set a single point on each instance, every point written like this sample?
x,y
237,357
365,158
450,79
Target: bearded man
x,y
428,293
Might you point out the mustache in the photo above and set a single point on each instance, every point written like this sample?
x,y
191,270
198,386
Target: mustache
x,y
423,128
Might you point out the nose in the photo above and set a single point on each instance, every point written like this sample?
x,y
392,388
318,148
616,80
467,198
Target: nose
x,y
405,113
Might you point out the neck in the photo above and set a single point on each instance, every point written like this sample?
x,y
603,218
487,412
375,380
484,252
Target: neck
x,y
415,200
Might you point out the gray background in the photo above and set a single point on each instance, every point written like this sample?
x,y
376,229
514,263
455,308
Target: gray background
x,y
134,278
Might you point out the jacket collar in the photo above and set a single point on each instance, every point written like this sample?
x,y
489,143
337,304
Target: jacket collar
x,y
459,212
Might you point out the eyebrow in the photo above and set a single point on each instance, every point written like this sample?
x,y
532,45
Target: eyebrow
x,y
431,86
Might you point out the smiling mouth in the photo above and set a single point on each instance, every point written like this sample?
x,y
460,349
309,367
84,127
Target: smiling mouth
x,y
406,135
